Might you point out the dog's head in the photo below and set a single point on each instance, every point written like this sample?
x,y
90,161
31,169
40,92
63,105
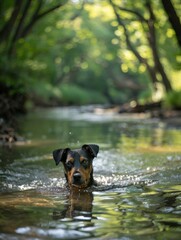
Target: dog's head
x,y
77,164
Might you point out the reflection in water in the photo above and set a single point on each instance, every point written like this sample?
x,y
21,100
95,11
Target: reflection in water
x,y
78,206
132,211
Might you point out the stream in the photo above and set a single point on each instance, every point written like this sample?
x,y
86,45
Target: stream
x,y
138,169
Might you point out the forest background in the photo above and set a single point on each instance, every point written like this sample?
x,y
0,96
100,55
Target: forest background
x,y
73,52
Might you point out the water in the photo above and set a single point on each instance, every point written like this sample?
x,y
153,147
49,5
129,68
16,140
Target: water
x,y
138,169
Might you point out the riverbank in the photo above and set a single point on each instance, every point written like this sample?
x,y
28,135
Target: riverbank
x,y
8,135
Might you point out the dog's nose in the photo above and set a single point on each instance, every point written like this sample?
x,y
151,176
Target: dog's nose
x,y
77,176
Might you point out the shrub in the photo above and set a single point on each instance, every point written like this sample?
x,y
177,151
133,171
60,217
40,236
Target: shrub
x,y
173,100
73,94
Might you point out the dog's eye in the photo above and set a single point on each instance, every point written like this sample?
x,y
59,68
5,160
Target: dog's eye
x,y
69,164
84,162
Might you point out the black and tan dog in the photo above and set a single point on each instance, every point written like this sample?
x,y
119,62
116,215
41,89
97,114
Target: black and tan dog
x,y
78,164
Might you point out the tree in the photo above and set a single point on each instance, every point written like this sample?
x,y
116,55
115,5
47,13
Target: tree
x,y
156,69
24,15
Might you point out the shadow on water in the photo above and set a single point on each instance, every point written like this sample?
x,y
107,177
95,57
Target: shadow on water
x,y
138,170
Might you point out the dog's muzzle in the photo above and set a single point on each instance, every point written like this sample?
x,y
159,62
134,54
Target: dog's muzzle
x,y
77,178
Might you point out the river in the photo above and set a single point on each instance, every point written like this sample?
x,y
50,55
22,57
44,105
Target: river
x,y
138,169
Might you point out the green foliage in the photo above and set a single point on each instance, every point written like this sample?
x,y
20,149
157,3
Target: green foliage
x,y
173,100
77,55
45,92
65,94
73,94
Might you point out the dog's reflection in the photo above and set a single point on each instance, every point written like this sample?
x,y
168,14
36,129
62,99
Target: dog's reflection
x,y
78,206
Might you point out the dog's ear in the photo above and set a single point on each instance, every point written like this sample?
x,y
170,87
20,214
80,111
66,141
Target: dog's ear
x,y
60,155
93,149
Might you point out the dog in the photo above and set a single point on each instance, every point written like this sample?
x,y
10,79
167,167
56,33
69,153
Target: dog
x,y
77,164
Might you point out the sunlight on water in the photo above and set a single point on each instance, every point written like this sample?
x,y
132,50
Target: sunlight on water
x,y
52,233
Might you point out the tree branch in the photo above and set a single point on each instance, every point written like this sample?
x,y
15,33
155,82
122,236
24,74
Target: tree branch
x,y
22,32
49,10
37,15
141,18
28,27
142,60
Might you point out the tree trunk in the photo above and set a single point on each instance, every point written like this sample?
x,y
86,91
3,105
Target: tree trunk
x,y
19,26
8,26
153,45
173,18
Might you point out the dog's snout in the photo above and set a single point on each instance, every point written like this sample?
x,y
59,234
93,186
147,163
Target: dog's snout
x,y
77,177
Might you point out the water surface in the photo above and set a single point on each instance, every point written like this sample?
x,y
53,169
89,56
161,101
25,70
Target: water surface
x,y
138,169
